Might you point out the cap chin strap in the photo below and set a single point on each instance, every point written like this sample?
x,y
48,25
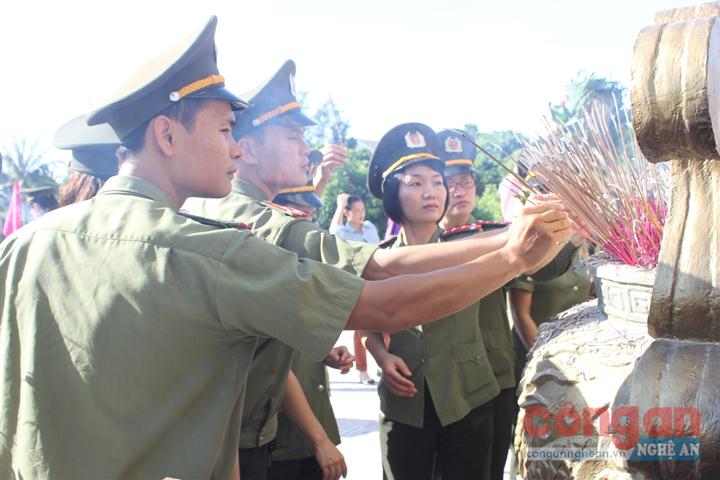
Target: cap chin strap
x,y
274,113
463,161
209,81
403,160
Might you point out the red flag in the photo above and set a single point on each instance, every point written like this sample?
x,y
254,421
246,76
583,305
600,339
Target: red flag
x,y
13,221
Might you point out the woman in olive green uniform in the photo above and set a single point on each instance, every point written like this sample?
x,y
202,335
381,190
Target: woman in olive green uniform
x,y
458,222
437,383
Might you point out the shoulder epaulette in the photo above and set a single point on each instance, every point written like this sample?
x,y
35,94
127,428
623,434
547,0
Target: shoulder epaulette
x,y
286,210
478,226
215,223
388,243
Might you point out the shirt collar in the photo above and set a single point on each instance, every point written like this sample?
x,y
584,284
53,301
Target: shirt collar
x,y
248,189
125,184
402,240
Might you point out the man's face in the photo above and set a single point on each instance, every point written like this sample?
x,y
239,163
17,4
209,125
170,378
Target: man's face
x,y
282,157
206,154
462,195
356,213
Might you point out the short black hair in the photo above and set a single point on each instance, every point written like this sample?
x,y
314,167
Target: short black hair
x,y
351,200
183,111
391,193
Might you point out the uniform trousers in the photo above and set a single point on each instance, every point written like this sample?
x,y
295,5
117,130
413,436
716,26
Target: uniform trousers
x,y
461,449
300,469
254,462
504,413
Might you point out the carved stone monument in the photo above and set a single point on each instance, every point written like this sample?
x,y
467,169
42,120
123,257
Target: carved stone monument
x,y
594,383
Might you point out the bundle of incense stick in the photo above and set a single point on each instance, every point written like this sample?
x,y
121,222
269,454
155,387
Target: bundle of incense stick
x,y
612,191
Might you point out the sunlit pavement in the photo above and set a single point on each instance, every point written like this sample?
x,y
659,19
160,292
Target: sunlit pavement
x,y
356,409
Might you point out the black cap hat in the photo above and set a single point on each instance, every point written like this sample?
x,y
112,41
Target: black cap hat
x,y
304,196
189,70
273,103
402,146
93,148
35,192
457,152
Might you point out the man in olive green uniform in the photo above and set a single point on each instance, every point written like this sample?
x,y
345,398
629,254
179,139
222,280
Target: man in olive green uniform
x,y
459,156
126,329
294,454
534,302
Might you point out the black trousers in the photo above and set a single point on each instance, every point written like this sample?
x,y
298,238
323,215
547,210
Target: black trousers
x,y
504,413
301,469
254,462
461,449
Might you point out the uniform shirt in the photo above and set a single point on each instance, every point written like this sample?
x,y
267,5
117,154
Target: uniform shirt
x,y
448,356
290,442
292,230
494,323
557,295
369,233
127,331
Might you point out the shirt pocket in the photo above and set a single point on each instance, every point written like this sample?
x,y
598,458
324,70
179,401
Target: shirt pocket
x,y
472,366
501,359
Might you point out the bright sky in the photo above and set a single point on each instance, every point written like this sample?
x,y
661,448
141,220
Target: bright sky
x,y
442,62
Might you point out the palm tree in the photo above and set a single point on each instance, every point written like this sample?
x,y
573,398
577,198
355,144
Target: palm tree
x,y
25,161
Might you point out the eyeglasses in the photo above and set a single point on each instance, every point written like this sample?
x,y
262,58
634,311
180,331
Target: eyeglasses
x,y
466,184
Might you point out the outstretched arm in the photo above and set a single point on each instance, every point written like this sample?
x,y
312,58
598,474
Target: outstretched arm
x,y
396,303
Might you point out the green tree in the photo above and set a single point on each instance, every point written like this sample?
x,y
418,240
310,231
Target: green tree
x,y
587,92
487,206
330,128
505,146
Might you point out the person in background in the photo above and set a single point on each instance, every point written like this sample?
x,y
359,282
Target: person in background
x,y
294,456
41,199
94,158
352,208
534,302
458,222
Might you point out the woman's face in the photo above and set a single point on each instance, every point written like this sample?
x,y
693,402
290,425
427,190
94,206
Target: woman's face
x,y
421,195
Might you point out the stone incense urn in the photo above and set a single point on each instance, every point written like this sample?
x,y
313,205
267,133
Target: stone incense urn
x,y
634,377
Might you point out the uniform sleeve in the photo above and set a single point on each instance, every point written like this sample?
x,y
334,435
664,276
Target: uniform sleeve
x,y
334,229
523,283
558,265
307,240
265,291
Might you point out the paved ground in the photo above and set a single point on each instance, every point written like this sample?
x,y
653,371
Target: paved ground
x,y
356,408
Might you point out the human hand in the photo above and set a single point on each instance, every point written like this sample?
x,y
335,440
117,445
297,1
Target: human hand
x,y
330,459
333,157
342,199
340,359
540,231
395,376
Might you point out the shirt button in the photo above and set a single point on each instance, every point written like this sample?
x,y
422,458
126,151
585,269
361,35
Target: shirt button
x,y
321,388
575,288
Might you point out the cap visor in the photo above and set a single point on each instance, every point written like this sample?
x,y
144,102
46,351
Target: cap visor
x,y
458,170
292,118
221,93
